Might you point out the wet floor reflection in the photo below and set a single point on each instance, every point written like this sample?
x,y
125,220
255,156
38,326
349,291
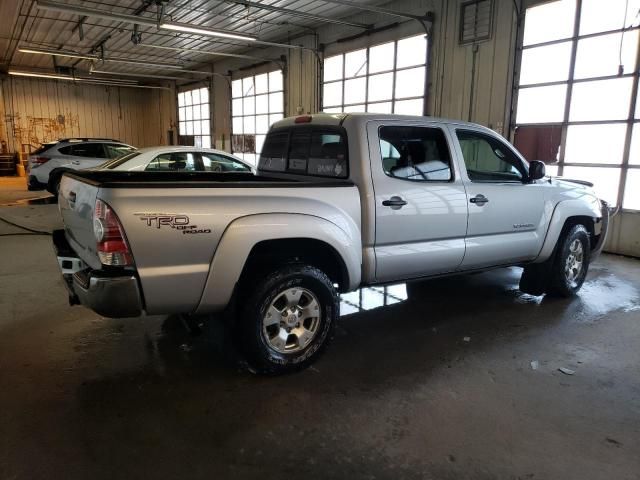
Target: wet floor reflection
x,y
372,297
45,200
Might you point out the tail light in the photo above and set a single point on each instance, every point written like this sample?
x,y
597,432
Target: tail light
x,y
37,161
111,243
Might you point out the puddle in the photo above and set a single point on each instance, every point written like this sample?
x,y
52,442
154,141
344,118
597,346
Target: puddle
x,y
372,297
606,294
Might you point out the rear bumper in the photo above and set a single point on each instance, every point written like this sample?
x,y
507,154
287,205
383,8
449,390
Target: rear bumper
x,y
114,295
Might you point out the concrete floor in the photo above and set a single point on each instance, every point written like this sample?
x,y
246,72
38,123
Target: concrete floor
x,y
399,394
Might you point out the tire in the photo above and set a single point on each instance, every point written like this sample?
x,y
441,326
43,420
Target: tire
x,y
288,319
571,262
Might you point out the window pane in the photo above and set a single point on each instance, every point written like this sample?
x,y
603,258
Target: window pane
x,y
259,143
380,87
551,170
236,88
333,68
262,83
236,106
332,110
412,51
539,142
237,125
196,112
206,141
384,107
181,113
262,123
381,57
204,109
600,56
545,64
487,159
332,93
551,21
409,107
275,81
634,152
541,104
605,180
249,125
632,190
354,108
276,102
410,83
204,95
275,118
206,127
197,128
595,143
601,100
354,90
189,128
195,95
355,63
599,16
188,113
415,153
247,86
249,105
181,99
182,128
262,103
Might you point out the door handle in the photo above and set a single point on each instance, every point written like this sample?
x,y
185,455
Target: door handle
x,y
394,202
479,200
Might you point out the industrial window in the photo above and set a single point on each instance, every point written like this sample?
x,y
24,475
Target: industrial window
x,y
577,91
194,118
257,102
386,78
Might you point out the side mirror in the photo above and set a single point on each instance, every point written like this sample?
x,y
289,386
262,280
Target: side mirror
x,y
536,170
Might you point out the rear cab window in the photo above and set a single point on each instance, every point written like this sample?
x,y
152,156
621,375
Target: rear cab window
x,y
317,151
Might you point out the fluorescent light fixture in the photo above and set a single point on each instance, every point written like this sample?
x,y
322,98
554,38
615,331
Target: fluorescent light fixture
x,y
18,73
58,53
128,74
94,81
178,27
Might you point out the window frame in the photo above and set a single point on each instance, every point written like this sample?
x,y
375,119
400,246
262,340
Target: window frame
x,y
452,169
632,119
367,76
255,115
184,121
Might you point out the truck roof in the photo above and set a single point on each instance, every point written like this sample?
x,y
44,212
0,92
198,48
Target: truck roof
x,y
339,118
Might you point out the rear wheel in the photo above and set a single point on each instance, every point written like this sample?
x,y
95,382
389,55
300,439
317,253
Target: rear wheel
x,y
571,262
288,319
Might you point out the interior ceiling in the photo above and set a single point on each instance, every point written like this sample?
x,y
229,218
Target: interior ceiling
x,y
28,25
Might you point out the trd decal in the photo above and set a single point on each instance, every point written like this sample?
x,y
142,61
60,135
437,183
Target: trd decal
x,y
170,220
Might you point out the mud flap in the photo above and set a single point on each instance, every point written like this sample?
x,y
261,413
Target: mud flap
x,y
536,278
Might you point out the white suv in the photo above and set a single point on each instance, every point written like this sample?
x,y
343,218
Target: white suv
x,y
71,153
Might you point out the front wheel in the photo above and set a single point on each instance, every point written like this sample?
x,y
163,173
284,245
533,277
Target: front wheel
x,y
571,263
288,319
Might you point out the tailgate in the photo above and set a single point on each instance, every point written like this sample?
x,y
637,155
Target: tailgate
x,y
76,201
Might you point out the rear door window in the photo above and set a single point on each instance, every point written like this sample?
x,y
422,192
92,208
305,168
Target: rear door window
x,y
220,163
415,153
315,152
115,150
173,162
88,150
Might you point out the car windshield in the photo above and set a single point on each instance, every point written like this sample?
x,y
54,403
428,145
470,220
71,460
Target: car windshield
x,y
111,164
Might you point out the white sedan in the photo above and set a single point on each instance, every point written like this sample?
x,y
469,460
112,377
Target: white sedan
x,y
177,159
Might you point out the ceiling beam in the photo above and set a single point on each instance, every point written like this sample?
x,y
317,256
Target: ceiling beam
x,y
298,13
382,10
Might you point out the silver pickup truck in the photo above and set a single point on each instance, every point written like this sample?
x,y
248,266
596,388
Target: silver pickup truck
x,y
338,202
